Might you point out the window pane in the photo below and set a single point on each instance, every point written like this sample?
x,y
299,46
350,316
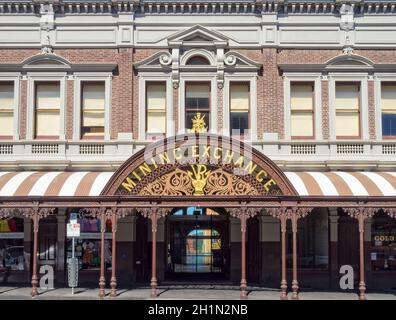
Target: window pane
x,y
156,96
6,95
47,109
48,96
347,96
388,97
93,108
6,123
301,97
239,121
301,124
93,119
239,96
389,124
191,115
47,123
156,122
347,124
197,96
93,96
197,61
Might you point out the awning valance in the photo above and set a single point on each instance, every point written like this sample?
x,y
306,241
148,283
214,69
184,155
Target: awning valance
x,y
53,183
337,183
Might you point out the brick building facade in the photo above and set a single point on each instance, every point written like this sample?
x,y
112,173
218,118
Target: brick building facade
x,y
85,86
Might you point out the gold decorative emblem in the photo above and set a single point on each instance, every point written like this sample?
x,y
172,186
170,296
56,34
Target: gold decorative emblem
x,y
198,123
199,176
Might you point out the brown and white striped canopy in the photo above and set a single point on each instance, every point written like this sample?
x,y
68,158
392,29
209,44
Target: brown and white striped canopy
x,y
58,183
54,183
337,183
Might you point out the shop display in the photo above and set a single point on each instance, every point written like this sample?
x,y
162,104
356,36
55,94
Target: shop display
x,y
88,253
11,245
383,244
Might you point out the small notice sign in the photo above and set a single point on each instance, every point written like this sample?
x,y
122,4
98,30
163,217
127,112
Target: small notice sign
x,y
73,230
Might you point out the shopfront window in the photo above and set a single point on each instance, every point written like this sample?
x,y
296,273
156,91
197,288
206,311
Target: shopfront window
x,y
11,245
87,246
383,243
312,241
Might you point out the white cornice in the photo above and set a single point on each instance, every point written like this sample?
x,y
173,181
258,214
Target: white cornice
x,y
197,7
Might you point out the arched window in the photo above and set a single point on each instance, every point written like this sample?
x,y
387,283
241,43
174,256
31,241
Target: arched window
x,y
197,61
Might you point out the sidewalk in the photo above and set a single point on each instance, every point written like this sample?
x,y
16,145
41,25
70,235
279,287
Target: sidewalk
x,y
17,293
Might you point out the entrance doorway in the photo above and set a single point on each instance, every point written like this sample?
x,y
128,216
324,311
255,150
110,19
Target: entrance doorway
x,y
197,244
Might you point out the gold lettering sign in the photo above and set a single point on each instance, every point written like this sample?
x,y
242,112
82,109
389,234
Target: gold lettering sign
x,y
195,160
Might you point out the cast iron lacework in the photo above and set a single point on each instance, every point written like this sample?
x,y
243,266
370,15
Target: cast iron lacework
x,y
175,180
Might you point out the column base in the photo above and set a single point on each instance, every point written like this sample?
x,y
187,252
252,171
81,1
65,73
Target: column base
x,y
153,288
295,290
34,282
102,284
113,285
283,287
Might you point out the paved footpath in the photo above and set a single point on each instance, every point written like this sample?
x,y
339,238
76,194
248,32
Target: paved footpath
x,y
183,293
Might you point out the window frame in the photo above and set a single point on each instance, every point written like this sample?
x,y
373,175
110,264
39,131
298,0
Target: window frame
x,y
147,83
14,79
317,79
35,135
187,109
300,82
349,83
30,123
79,78
384,83
91,137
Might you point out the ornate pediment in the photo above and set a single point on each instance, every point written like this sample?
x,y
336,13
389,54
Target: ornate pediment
x,y
198,36
46,61
158,61
349,60
235,60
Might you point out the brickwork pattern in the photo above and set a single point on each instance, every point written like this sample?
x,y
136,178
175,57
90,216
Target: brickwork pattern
x,y
125,85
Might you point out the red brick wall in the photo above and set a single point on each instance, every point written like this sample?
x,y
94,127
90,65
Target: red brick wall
x,y
124,101
371,109
325,109
23,109
69,108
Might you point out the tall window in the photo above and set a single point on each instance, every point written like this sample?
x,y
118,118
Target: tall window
x,y
388,109
197,106
6,109
239,108
47,110
302,110
93,110
347,110
156,108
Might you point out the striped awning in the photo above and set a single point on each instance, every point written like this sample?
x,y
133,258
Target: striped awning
x,y
53,183
337,183
88,183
